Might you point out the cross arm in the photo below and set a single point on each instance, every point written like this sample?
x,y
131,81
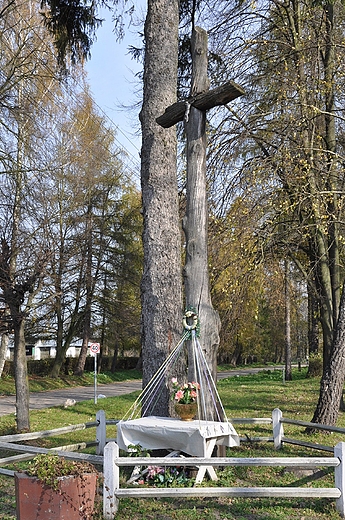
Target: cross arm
x,y
204,101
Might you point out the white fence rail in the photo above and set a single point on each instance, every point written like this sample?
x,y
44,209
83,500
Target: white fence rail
x,y
71,451
112,491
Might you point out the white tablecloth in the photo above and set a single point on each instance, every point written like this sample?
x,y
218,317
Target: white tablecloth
x,y
190,437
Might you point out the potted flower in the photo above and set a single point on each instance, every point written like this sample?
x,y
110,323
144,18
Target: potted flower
x,y
55,488
185,397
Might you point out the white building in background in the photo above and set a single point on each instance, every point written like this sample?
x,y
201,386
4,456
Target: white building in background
x,y
46,349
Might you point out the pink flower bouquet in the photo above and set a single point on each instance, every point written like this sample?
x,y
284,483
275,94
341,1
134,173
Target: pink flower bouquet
x,y
186,393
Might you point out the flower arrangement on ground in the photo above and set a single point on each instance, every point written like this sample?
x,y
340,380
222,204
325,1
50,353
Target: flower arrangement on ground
x,y
167,477
157,475
186,393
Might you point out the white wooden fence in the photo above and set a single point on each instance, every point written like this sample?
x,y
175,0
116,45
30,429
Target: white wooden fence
x,y
71,451
112,491
112,463
107,454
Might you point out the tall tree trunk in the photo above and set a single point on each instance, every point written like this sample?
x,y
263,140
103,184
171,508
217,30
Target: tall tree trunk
x,y
60,357
21,372
332,381
161,282
237,353
3,351
104,346
73,328
79,370
14,296
288,372
321,247
313,323
89,291
59,309
195,223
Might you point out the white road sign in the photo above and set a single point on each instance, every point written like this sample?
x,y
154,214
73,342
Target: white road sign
x,y
95,348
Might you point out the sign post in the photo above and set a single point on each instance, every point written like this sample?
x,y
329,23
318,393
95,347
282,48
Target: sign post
x,y
95,349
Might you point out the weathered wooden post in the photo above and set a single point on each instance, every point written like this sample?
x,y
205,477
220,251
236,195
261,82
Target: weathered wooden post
x,y
101,432
278,430
111,481
339,451
195,223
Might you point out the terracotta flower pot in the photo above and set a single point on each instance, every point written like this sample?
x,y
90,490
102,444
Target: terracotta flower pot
x,y
186,412
73,500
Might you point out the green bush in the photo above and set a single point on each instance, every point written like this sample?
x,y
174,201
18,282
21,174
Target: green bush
x,y
43,367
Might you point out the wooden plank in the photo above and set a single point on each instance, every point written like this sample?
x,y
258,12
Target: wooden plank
x,y
16,458
28,456
313,425
7,472
111,481
195,225
101,432
254,420
308,444
75,447
278,430
256,439
339,477
288,462
47,433
204,101
95,459
270,492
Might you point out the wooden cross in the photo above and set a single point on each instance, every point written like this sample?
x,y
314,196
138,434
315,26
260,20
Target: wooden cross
x,y
204,101
200,98
195,223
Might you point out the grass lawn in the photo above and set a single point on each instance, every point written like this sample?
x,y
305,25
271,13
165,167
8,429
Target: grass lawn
x,y
244,396
40,384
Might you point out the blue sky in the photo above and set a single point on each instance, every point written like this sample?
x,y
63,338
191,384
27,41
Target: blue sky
x,y
111,75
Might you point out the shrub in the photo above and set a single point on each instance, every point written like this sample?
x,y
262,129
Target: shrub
x,y
43,367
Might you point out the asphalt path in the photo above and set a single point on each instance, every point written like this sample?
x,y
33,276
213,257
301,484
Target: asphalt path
x,y
50,398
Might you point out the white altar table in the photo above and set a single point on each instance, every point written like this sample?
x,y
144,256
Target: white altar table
x,y
195,438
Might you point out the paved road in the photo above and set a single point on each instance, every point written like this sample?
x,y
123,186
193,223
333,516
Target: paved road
x,y
52,398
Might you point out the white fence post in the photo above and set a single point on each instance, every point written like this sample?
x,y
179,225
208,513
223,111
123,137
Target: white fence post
x,y
111,481
101,432
278,430
339,473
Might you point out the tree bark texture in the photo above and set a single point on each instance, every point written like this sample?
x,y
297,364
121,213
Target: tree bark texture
x,y
196,220
288,371
21,374
332,381
331,313
162,280
89,294
313,323
3,350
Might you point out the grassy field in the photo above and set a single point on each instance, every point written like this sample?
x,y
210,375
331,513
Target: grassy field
x,y
245,396
40,384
